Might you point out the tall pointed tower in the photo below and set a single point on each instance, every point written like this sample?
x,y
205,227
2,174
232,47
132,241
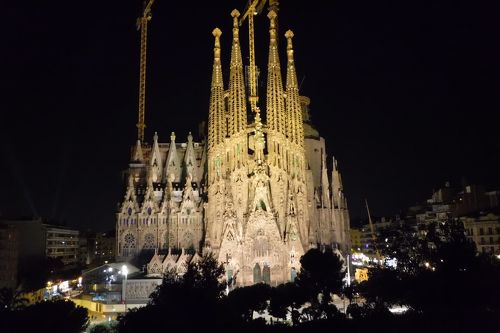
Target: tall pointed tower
x,y
237,146
276,126
217,157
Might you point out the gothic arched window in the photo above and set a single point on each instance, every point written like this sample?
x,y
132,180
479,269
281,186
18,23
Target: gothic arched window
x,y
149,241
128,245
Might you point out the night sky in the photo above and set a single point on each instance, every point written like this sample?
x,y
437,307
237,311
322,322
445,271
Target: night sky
x,y
405,93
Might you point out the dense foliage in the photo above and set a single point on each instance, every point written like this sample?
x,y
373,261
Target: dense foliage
x,y
59,316
445,284
196,301
441,282
185,304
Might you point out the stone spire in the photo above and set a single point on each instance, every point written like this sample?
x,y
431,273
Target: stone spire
x,y
155,162
172,165
216,123
338,200
236,102
325,184
138,156
275,103
293,108
130,195
149,196
190,159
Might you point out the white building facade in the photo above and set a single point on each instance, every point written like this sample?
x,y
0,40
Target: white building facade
x,y
256,193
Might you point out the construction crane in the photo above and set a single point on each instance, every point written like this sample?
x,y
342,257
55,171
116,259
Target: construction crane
x,y
142,25
258,5
254,7
372,230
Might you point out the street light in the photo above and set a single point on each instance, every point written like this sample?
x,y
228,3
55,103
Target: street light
x,y
124,272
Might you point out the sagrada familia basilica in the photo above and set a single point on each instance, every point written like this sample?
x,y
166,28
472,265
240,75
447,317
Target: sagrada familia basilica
x,y
256,191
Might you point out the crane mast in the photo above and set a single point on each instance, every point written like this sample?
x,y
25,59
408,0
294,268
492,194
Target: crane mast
x,y
142,24
252,9
254,98
372,230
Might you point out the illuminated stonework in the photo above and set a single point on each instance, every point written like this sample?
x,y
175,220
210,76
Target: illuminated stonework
x,y
256,193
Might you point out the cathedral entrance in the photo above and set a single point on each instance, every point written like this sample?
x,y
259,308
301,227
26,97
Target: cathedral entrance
x,y
266,274
257,274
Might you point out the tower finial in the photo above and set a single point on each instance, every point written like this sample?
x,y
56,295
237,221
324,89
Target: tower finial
x,y
272,17
274,5
289,45
235,14
217,33
272,26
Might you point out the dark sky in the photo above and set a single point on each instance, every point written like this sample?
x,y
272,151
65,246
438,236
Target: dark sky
x,y
405,93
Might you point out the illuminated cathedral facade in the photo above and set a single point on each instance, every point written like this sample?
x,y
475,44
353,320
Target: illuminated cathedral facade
x,y
255,191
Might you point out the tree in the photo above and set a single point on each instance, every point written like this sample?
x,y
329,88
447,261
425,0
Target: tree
x,y
287,299
321,276
438,244
242,302
206,277
51,316
188,303
404,245
385,287
106,327
11,299
449,284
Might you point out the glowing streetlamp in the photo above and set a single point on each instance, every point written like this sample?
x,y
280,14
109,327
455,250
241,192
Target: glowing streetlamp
x,y
124,272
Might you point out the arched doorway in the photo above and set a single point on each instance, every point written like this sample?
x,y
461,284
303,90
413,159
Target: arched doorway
x,y
266,274
257,274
